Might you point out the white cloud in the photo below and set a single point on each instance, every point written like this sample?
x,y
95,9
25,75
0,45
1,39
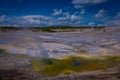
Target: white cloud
x,y
100,14
3,18
41,20
36,19
70,19
91,23
77,6
28,20
66,14
57,12
82,11
88,2
81,3
115,21
32,19
117,16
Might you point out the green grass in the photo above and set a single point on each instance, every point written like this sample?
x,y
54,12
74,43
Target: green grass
x,y
72,64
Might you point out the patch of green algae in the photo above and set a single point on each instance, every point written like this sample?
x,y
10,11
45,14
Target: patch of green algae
x,y
73,64
67,65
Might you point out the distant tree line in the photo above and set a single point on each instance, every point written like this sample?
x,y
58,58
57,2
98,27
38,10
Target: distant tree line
x,y
52,28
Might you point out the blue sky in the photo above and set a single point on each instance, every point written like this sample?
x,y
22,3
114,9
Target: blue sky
x,y
59,12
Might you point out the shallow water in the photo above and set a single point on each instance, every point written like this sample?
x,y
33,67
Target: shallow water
x,y
4,41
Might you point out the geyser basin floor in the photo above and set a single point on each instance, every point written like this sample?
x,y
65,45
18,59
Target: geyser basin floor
x,y
61,44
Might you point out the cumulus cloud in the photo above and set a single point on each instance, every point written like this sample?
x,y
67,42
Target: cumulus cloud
x,y
28,20
81,3
3,19
88,2
68,19
36,19
117,16
91,23
100,14
32,19
41,20
77,6
82,11
57,12
115,21
66,14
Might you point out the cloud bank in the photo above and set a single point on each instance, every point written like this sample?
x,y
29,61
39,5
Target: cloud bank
x,y
81,3
88,2
41,20
79,13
